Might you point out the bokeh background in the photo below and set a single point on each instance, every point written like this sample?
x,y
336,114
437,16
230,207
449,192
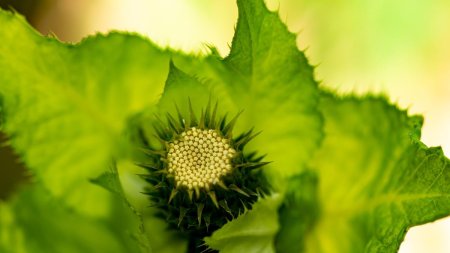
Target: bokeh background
x,y
397,47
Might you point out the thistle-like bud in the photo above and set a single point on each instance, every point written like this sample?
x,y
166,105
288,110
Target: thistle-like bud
x,y
200,177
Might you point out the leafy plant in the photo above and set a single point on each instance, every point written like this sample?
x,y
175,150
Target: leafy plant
x,y
348,173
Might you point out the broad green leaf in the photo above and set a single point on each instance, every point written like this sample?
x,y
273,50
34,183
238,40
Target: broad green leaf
x,y
36,222
376,179
278,87
251,232
268,77
66,106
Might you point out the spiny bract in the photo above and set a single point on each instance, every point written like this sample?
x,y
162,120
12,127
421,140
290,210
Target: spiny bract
x,y
200,177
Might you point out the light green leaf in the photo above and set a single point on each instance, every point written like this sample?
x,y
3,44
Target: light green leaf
x,y
251,232
35,222
268,77
66,106
180,89
109,181
278,85
376,179
127,220
153,231
162,239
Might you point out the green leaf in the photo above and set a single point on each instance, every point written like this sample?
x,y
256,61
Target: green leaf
x,y
376,179
180,89
127,220
109,181
66,106
162,239
36,222
282,94
251,232
299,212
152,231
270,79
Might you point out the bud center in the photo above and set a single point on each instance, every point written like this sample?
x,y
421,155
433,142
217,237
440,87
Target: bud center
x,y
199,157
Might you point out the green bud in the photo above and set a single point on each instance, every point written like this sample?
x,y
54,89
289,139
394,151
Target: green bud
x,y
200,177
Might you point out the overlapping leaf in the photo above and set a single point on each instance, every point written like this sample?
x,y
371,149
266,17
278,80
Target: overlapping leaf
x,y
66,106
376,179
34,221
277,87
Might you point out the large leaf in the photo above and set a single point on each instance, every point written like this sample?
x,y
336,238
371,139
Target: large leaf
x,y
376,179
36,222
280,94
65,106
268,77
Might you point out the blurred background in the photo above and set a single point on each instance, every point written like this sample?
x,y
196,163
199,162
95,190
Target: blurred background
x,y
397,47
